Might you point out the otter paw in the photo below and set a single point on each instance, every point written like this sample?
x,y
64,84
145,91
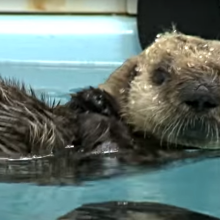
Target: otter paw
x,y
97,132
94,100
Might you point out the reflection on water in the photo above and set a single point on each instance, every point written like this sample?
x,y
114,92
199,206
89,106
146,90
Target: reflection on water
x,y
69,168
49,187
65,169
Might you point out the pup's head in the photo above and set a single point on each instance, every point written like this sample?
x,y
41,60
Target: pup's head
x,y
172,90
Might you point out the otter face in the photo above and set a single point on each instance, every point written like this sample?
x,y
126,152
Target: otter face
x,y
176,96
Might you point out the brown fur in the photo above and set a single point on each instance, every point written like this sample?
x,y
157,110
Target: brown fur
x,y
31,126
158,110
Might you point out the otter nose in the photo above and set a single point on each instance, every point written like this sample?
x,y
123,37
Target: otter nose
x,y
201,99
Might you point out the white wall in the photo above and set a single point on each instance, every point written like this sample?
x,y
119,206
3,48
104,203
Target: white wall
x,y
77,6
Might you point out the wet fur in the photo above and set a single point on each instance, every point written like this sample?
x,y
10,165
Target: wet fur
x,y
29,125
128,210
100,123
157,111
32,126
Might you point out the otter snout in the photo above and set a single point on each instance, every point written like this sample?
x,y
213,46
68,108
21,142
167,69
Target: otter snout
x,y
199,98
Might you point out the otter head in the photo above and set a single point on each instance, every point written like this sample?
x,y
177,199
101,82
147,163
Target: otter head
x,y
175,95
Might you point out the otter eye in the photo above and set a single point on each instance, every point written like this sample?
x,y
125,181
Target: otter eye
x,y
160,76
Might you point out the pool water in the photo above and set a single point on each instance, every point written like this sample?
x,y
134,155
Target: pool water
x,y
37,195
60,62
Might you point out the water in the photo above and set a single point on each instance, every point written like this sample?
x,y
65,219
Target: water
x,y
194,186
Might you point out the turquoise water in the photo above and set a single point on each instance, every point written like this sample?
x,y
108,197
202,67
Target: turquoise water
x,y
55,56
194,186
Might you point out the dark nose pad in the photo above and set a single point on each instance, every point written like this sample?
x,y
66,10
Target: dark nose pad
x,y
201,99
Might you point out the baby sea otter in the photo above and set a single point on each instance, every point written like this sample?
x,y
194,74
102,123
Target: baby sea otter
x,y
171,91
167,94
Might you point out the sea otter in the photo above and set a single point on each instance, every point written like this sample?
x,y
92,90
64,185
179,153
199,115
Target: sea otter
x,y
128,210
171,91
165,99
167,94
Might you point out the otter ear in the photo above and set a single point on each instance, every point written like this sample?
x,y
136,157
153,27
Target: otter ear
x,y
121,77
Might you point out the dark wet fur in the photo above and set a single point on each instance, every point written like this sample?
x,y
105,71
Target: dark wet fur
x,y
127,210
30,125
94,100
99,122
